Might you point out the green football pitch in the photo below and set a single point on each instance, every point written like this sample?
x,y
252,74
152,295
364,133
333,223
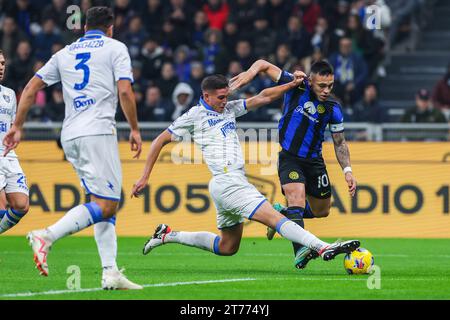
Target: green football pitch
x,y
409,269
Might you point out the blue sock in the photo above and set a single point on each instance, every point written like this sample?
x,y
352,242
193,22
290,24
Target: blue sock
x,y
10,218
308,214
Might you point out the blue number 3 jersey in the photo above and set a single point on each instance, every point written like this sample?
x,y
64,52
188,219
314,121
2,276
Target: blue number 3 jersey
x,y
302,126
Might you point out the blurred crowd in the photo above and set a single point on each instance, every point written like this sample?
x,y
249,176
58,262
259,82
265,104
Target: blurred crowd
x,y
174,44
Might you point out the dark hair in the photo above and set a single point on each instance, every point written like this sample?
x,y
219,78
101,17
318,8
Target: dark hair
x,y
1,52
99,18
322,68
214,82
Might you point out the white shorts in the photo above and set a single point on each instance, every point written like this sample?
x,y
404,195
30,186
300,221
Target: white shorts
x,y
12,178
235,198
97,163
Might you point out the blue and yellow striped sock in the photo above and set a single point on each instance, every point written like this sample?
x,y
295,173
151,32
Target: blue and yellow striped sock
x,y
10,218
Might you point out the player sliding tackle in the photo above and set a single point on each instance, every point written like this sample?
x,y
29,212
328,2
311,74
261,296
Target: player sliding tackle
x,y
212,124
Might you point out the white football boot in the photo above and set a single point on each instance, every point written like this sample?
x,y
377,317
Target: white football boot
x,y
114,279
338,247
157,239
41,244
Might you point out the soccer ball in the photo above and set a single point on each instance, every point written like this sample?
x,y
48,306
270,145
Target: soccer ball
x,y
359,261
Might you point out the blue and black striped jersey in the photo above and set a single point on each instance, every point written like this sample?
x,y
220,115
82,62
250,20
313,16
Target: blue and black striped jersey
x,y
302,126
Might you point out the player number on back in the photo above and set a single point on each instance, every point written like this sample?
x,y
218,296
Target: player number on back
x,y
84,57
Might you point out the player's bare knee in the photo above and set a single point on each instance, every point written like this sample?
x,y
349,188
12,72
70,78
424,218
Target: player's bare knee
x,y
21,205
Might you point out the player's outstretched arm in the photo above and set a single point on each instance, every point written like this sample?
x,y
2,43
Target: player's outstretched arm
x,y
343,157
271,94
260,66
128,104
13,136
164,138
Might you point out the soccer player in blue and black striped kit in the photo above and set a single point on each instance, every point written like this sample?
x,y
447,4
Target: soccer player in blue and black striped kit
x,y
307,111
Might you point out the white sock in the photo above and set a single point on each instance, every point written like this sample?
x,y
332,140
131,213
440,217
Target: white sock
x,y
292,231
106,239
76,219
204,240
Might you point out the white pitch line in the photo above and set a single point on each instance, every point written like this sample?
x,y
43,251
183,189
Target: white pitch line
x,y
169,284
382,255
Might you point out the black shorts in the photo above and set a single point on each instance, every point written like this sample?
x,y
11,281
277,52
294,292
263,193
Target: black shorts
x,y
311,172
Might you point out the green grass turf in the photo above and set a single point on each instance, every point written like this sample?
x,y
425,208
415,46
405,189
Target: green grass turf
x,y
410,269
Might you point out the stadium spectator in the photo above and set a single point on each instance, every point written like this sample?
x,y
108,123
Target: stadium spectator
x,y
309,11
167,81
10,36
369,108
243,13
173,36
365,43
56,11
134,37
323,38
44,40
55,109
283,57
21,67
180,13
197,75
350,73
26,16
230,35
214,56
279,12
424,111
154,108
263,38
181,98
338,21
217,12
441,94
153,16
297,37
244,54
182,63
152,57
199,29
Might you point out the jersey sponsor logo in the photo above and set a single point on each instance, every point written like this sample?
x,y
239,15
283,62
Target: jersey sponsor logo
x,y
6,111
294,175
7,98
3,126
309,107
213,122
228,128
81,103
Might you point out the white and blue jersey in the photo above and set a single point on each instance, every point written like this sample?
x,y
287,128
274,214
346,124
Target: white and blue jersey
x,y
89,70
8,107
12,178
215,133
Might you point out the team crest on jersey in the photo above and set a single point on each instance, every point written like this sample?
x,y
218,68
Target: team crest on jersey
x,y
320,109
293,175
7,98
309,107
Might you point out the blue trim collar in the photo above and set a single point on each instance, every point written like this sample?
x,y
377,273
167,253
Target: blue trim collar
x,y
207,106
94,33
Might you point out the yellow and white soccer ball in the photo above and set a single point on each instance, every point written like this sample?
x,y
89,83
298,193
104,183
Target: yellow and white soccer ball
x,y
359,261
